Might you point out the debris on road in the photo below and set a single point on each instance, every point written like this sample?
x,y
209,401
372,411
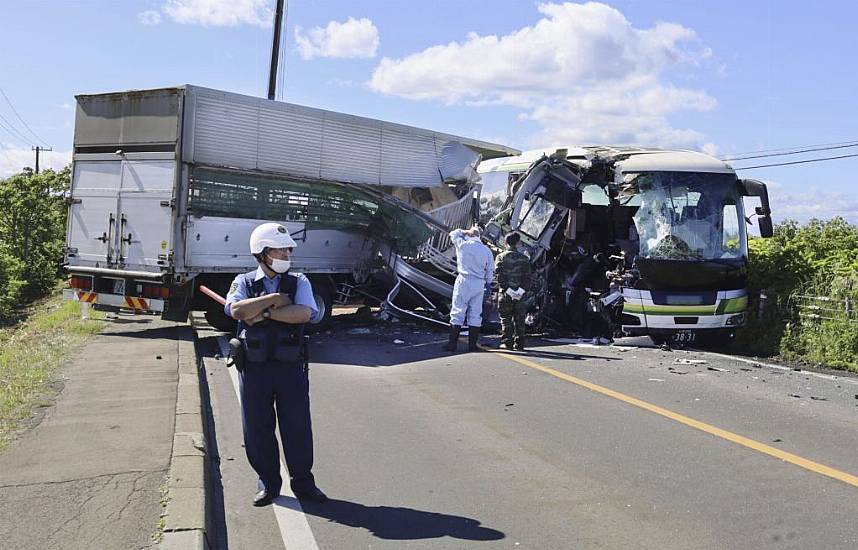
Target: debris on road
x,y
692,362
655,380
817,398
716,369
797,396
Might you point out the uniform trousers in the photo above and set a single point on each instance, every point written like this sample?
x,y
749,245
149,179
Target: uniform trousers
x,y
275,394
512,314
468,293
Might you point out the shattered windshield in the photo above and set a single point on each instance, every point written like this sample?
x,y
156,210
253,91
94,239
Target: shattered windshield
x,y
537,213
689,216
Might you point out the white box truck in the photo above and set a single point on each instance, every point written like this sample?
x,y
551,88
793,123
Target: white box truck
x,y
167,185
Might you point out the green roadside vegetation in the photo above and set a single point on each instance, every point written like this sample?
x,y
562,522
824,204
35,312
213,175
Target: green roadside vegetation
x,y
37,329
809,277
31,353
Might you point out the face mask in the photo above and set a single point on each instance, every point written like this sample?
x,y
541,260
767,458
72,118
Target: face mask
x,y
280,266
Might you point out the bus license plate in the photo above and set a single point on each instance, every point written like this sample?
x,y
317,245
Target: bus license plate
x,y
683,336
119,287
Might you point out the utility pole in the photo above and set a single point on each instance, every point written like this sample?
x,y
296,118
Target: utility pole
x,y
275,50
38,149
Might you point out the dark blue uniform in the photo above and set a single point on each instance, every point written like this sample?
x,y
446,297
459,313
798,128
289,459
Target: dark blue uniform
x,y
275,391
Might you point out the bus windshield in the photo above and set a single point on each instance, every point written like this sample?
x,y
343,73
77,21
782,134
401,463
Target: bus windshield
x,y
689,216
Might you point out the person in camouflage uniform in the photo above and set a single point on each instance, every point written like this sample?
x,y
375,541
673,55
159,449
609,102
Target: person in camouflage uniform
x,y
513,271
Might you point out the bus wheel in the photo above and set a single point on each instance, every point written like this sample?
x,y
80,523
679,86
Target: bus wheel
x,y
715,341
657,340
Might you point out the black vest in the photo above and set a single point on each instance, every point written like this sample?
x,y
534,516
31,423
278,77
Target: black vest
x,y
272,340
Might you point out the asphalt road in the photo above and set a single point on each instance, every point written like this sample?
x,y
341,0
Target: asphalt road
x,y
563,446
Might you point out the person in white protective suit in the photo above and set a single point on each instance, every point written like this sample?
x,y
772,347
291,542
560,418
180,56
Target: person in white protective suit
x,y
475,267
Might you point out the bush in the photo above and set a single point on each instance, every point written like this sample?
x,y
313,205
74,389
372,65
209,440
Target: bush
x,y
818,259
32,233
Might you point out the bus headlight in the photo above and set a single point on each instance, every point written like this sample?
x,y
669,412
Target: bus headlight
x,y
736,320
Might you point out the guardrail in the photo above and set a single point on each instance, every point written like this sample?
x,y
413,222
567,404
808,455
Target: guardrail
x,y
823,308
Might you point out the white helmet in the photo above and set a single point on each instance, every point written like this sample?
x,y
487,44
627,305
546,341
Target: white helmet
x,y
270,235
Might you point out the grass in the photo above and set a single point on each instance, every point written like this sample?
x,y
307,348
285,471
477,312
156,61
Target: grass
x,y
31,353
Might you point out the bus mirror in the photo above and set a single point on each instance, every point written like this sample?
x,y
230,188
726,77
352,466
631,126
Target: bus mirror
x,y
765,223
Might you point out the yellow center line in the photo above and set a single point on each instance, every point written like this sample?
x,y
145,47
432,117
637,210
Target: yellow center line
x,y
702,426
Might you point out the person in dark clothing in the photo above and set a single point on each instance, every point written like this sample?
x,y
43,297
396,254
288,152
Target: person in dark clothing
x,y
590,274
513,271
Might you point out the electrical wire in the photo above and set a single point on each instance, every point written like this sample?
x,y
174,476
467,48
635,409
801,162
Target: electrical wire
x,y
12,131
27,126
796,152
795,162
793,148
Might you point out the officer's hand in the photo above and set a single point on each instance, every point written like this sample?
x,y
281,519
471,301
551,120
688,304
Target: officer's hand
x,y
282,300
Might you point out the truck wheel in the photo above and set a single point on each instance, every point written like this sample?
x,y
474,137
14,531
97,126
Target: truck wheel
x,y
324,303
218,319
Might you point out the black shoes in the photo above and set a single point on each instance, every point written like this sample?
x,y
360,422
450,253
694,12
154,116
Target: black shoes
x,y
454,337
263,498
473,339
313,495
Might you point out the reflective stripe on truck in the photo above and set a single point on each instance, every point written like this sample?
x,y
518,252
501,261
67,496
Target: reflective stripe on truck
x,y
115,300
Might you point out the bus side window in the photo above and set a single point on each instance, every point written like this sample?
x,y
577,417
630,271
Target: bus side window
x,y
730,229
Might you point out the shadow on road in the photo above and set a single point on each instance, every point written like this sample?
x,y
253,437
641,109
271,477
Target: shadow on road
x,y
172,333
396,523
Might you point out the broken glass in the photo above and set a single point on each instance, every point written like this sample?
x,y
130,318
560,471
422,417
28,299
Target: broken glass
x,y
538,213
689,216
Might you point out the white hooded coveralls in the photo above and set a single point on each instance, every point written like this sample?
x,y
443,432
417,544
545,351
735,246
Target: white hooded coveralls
x,y
475,266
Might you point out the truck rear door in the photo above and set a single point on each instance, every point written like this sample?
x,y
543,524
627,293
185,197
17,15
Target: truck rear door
x,y
145,213
121,213
94,205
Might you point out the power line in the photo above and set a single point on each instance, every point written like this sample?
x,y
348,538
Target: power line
x,y
795,152
794,147
12,131
27,126
796,162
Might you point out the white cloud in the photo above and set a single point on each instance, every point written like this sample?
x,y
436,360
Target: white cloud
x,y
13,160
220,13
813,204
353,38
583,72
149,17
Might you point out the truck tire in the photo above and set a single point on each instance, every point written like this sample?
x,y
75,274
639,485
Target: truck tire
x,y
324,302
218,319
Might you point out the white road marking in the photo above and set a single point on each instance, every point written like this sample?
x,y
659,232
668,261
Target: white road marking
x,y
294,528
781,367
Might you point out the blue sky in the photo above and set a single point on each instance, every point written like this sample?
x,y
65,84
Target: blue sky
x,y
725,77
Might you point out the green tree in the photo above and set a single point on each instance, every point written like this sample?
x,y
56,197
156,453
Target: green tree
x,y
32,233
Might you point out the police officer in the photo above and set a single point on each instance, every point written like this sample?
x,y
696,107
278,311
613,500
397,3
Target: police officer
x,y
475,268
513,270
272,307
